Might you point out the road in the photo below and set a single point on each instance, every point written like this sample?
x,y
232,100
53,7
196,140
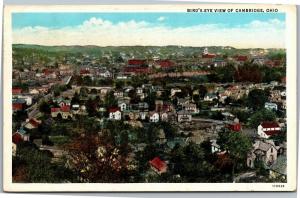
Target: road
x,y
208,120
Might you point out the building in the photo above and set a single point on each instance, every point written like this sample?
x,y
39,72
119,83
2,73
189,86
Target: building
x,y
158,165
32,123
18,104
271,106
267,129
184,116
64,112
264,151
153,116
16,91
115,114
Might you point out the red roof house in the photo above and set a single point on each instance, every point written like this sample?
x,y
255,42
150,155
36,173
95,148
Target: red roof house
x,y
242,58
18,106
16,91
158,165
165,64
208,55
54,109
17,138
234,126
113,109
267,129
136,62
65,108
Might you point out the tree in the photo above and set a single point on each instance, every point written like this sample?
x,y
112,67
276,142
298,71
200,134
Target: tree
x,y
260,116
44,107
237,146
38,165
110,100
96,159
257,99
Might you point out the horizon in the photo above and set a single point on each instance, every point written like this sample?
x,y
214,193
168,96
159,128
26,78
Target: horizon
x,y
143,46
238,30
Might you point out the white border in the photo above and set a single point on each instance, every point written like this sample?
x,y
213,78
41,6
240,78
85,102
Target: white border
x,y
141,187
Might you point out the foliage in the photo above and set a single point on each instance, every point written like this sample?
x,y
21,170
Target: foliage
x,y
260,116
257,99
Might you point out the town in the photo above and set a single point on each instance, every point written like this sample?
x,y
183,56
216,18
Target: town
x,y
148,114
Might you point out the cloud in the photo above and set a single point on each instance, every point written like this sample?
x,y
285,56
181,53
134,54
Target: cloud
x,y
161,18
97,31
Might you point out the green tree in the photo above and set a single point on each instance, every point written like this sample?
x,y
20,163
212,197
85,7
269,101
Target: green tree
x,y
260,116
237,145
257,99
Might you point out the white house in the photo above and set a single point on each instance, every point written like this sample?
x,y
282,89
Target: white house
x,y
215,148
28,99
267,129
264,151
115,114
122,106
271,106
153,117
210,97
184,116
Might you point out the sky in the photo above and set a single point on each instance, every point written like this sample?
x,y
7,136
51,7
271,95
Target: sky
x,y
241,30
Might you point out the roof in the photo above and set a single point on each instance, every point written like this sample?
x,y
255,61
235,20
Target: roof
x,y
158,164
113,109
136,62
65,108
165,63
34,122
17,138
242,58
54,109
267,124
16,90
264,146
280,165
208,55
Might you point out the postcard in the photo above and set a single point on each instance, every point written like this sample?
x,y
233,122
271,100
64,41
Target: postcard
x,y
194,97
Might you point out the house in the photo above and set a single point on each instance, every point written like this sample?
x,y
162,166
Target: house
x,y
174,91
267,129
14,149
115,114
64,112
183,101
119,94
164,116
234,126
153,116
184,116
34,91
18,104
159,105
278,169
241,59
16,91
271,106
158,165
219,62
210,97
123,105
192,108
20,136
215,148
27,98
105,74
264,151
32,123
143,115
